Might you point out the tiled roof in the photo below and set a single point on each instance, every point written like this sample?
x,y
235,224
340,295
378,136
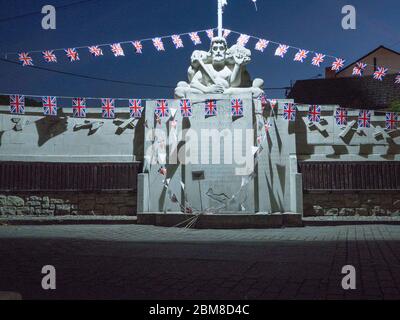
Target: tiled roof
x,y
353,92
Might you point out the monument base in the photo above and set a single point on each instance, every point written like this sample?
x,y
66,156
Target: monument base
x,y
222,221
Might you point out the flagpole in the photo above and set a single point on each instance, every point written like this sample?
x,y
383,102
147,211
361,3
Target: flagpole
x,y
220,12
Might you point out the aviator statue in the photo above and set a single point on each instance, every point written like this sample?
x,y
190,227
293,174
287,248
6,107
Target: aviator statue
x,y
222,70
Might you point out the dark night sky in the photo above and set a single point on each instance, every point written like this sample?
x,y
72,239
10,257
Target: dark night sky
x,y
311,24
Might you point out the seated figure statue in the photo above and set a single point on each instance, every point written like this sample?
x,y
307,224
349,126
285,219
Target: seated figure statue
x,y
220,71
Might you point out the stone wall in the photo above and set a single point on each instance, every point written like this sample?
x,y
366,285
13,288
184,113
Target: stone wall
x,y
68,203
350,203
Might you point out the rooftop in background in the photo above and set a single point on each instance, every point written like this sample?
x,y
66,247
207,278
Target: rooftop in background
x,y
350,91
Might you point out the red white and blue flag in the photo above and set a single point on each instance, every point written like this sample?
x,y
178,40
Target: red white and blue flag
x,y
318,59
211,107
243,40
117,50
72,54
108,108
162,110
314,114
49,56
364,119
176,39
261,45
195,38
397,80
25,59
226,34
79,107
158,44
237,107
281,50
138,46
289,112
358,70
301,55
392,119
135,107
186,108
49,106
210,33
380,73
341,116
17,104
338,64
96,51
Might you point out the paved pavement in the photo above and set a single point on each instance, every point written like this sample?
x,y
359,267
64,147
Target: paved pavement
x,y
146,262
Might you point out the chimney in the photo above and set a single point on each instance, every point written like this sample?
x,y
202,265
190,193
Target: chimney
x,y
329,73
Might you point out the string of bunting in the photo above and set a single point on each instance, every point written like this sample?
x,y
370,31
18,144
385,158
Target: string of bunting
x,y
280,50
162,109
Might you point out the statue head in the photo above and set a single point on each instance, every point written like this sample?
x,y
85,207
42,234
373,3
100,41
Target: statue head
x,y
218,50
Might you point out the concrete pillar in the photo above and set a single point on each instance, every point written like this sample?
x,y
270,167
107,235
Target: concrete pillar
x,y
143,193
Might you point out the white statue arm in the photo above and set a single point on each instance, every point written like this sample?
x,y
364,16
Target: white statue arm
x,y
197,84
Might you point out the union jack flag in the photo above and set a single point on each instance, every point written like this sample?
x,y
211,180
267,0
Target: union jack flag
x,y
273,103
226,34
162,109
318,59
158,44
338,64
341,116
281,50
79,107
289,112
108,108
314,114
135,107
186,108
210,33
195,38
237,107
49,56
72,54
243,39
138,46
25,59
211,107
364,119
17,104
392,120
264,101
117,50
96,51
176,39
359,69
301,55
380,73
261,45
49,106
397,80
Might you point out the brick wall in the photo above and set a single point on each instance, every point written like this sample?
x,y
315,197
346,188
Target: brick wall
x,y
351,203
68,203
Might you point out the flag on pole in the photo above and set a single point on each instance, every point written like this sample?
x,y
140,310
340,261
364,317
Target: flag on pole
x,y
135,107
25,59
108,108
49,56
49,106
79,107
96,51
261,45
301,55
177,41
17,104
